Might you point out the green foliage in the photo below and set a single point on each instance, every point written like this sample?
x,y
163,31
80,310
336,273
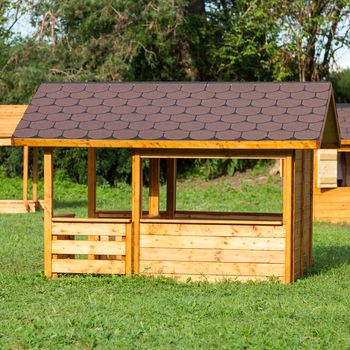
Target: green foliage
x,y
341,84
126,40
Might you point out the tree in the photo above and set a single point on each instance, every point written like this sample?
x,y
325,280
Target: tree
x,y
311,33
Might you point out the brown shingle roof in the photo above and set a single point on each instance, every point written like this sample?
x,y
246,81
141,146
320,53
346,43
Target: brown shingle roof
x,y
177,111
343,110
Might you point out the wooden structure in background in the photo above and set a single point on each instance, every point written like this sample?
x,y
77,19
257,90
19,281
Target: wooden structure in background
x,y
332,176
10,115
182,244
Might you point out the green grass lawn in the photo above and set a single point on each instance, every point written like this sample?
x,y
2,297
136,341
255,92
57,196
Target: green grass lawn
x,y
147,313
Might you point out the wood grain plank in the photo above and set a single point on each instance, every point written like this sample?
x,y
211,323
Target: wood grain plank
x,y
207,242
213,255
213,230
88,266
88,229
88,247
203,268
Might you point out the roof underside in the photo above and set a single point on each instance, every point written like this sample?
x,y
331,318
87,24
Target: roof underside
x,y
177,111
10,115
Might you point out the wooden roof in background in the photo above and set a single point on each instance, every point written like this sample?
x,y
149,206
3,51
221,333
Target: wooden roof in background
x,y
66,113
10,115
343,110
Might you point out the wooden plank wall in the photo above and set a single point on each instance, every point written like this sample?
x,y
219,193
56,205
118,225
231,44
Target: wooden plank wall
x,y
302,211
73,251
212,252
331,204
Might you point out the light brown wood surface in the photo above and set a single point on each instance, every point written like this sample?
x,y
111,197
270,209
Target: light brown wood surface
x,y
10,115
154,186
88,266
88,229
136,209
168,144
48,210
213,230
16,207
88,247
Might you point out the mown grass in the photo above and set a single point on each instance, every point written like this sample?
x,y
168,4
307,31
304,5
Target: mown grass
x,y
148,313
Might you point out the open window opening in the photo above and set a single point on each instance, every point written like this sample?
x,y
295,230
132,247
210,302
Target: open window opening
x,y
253,197
343,169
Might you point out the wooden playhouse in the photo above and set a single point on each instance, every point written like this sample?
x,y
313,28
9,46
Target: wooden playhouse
x,y
332,175
170,121
10,115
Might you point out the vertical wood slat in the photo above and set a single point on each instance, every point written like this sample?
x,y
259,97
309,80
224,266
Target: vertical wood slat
x,y
171,188
91,182
154,178
92,192
312,179
48,210
128,250
288,187
35,175
25,175
302,212
136,208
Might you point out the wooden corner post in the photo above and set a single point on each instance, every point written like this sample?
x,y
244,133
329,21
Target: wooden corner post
x,y
48,210
91,182
136,208
25,176
171,188
35,175
288,196
154,178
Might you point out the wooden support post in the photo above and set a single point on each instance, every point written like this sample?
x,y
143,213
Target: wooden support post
x,y
91,182
35,176
171,188
48,210
154,178
303,209
288,198
92,193
312,179
25,176
128,250
136,208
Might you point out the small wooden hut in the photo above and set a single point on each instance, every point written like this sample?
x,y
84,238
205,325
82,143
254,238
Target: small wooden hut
x,y
332,175
10,115
183,120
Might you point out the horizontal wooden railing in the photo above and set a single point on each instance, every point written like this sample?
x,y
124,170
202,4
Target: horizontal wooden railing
x,y
97,246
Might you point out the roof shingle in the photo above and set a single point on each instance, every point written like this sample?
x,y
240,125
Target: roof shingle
x,y
168,111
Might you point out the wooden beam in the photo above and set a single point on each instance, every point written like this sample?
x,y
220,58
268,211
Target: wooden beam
x,y
216,153
288,187
92,193
48,210
154,185
35,175
169,144
92,182
303,211
171,188
25,175
128,250
136,209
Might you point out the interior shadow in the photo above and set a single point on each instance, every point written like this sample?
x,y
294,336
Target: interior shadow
x,y
326,258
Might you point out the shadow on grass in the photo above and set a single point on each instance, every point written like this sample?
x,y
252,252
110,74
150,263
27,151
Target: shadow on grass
x,y
70,204
329,257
